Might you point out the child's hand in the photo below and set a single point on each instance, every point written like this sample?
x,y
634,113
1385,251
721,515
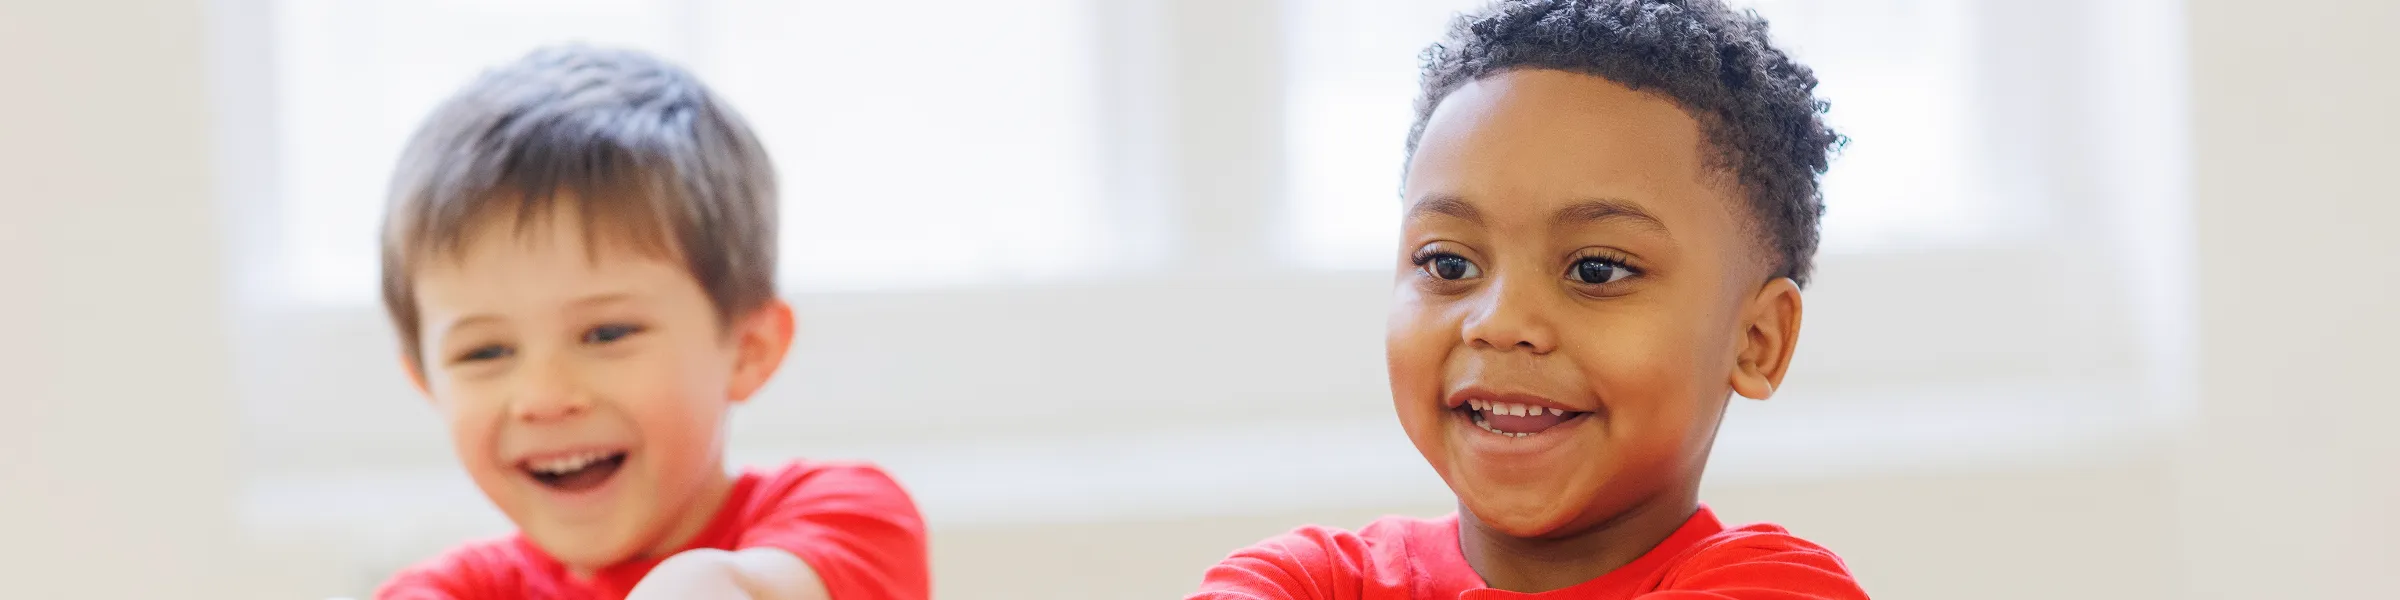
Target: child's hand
x,y
754,573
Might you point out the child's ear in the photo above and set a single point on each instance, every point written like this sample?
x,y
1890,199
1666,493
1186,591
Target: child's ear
x,y
1771,328
760,341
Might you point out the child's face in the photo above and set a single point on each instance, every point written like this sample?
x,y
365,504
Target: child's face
x,y
586,393
1566,248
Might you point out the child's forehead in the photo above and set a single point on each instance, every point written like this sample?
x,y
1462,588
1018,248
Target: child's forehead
x,y
1563,123
537,277
563,227
554,257
1542,142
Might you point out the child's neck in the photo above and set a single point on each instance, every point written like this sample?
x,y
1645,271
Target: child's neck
x,y
695,517
688,524
1529,565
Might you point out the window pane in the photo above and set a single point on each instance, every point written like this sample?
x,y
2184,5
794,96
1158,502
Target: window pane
x,y
1895,71
1352,77
355,78
909,164
902,164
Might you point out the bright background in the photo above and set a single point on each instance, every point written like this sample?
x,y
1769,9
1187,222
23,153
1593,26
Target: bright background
x,y
2105,308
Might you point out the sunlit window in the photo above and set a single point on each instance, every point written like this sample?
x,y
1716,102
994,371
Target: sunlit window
x,y
1895,71
903,164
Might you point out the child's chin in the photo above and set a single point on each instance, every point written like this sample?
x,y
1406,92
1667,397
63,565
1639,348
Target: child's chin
x,y
1520,513
1525,522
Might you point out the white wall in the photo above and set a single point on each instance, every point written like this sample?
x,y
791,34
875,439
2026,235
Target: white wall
x,y
116,422
2291,480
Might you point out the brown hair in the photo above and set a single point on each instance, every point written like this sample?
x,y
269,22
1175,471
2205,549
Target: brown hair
x,y
645,153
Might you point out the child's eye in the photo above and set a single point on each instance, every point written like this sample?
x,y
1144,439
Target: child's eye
x,y
1448,267
609,333
492,352
1597,271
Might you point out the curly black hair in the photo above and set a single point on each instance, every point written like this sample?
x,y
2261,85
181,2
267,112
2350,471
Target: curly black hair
x,y
1756,107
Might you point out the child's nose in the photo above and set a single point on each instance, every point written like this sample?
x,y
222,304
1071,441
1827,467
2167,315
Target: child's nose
x,y
550,392
1510,315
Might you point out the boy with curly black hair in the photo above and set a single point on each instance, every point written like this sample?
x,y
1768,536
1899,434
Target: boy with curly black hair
x,y
1610,208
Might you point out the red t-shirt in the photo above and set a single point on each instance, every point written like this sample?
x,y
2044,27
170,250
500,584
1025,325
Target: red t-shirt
x,y
1398,558
849,521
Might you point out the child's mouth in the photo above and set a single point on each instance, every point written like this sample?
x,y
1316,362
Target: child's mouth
x,y
575,472
1516,420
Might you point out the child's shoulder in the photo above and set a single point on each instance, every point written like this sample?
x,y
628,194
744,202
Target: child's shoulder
x,y
1753,556
1389,558
1748,550
818,472
1387,537
501,567
798,501
1759,537
800,484
849,521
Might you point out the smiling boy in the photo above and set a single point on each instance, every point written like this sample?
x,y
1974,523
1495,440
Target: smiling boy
x,y
579,256
1610,208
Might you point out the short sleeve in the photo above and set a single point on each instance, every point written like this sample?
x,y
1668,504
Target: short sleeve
x,y
851,523
1761,566
414,585
1309,563
470,572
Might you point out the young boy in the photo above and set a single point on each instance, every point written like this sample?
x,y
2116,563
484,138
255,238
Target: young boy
x,y
1610,207
579,255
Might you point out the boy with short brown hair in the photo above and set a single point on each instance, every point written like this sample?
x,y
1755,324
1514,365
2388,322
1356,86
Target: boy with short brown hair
x,y
579,255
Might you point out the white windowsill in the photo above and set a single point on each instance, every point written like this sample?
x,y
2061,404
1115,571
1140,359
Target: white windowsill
x,y
1299,466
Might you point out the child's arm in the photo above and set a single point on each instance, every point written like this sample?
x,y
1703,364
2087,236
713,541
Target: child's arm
x,y
853,526
748,574
1309,562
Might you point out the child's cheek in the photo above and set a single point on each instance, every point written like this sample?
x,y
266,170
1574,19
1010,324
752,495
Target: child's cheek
x,y
1653,375
678,397
1418,343
1640,370
475,421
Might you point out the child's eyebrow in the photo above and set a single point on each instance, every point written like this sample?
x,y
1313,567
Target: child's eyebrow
x,y
1609,209
603,298
469,321
1453,206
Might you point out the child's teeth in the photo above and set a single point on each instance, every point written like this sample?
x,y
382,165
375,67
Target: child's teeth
x,y
567,464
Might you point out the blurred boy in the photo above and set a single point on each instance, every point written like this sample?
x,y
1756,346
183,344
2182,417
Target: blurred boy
x,y
579,255
1610,209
